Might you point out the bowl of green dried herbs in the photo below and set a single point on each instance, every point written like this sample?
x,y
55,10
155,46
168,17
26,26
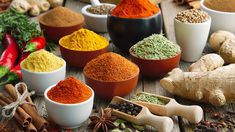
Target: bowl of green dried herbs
x,y
155,55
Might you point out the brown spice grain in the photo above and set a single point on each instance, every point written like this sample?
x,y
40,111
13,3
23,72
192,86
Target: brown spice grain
x,y
61,17
100,9
192,16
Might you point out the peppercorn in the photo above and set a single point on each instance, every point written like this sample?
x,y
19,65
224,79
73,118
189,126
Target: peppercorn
x,y
128,108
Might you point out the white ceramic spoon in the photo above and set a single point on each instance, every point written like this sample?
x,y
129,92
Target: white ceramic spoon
x,y
145,117
193,114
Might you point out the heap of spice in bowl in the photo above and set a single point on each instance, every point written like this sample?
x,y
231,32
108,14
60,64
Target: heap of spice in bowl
x,y
155,55
131,21
59,22
96,16
220,10
82,46
69,103
42,69
111,75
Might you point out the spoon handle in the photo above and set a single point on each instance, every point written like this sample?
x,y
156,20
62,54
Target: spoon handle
x,y
95,2
193,114
162,124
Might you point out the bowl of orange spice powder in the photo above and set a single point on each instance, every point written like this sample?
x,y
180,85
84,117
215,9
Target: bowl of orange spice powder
x,y
69,103
110,75
131,21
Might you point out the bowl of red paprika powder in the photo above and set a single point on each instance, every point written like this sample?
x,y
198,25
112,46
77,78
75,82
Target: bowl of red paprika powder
x,y
69,103
131,21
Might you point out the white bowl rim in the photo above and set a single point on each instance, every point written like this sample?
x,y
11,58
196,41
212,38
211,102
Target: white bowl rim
x,y
86,13
62,67
75,104
212,10
187,23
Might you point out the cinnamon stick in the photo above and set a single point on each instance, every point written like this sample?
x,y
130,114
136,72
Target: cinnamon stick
x,y
12,92
30,128
18,118
16,126
38,121
44,130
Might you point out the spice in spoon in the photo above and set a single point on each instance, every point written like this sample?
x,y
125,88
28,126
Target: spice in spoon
x,y
149,99
126,107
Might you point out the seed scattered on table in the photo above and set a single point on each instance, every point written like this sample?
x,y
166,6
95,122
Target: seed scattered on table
x,y
126,107
192,16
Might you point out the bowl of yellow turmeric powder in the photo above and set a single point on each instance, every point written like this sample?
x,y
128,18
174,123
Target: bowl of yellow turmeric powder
x,y
82,46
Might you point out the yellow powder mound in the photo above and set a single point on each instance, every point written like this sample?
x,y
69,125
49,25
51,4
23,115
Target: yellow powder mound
x,y
42,61
84,40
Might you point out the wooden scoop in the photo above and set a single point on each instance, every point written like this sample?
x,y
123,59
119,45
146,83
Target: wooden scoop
x,y
162,124
192,113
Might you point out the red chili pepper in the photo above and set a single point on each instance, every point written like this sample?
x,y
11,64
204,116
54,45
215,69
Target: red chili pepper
x,y
15,73
9,55
35,44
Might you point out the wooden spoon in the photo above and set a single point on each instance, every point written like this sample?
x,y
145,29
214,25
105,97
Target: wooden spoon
x,y
145,117
192,113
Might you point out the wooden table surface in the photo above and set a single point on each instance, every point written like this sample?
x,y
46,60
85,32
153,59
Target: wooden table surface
x,y
169,10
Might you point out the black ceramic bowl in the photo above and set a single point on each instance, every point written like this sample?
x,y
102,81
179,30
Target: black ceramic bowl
x,y
125,32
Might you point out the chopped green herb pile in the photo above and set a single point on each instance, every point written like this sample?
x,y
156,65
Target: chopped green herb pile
x,y
19,25
149,98
155,46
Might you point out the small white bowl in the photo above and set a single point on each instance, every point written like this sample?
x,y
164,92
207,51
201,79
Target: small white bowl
x,y
95,22
220,20
40,81
69,115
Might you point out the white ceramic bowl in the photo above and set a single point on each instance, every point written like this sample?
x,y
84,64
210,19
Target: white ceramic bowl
x,y
40,81
220,20
95,22
192,38
68,115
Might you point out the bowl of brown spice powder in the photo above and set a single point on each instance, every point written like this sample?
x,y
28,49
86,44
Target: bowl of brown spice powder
x,y
222,14
60,22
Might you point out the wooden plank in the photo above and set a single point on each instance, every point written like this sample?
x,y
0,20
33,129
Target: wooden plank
x,y
169,10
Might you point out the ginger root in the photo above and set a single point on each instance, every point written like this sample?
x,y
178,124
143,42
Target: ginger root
x,y
217,39
227,51
44,5
207,62
55,3
216,87
34,10
21,6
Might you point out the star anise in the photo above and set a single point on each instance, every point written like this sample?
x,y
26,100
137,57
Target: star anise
x,y
103,121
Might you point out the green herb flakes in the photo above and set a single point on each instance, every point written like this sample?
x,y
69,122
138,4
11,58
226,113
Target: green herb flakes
x,y
155,46
149,98
19,25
